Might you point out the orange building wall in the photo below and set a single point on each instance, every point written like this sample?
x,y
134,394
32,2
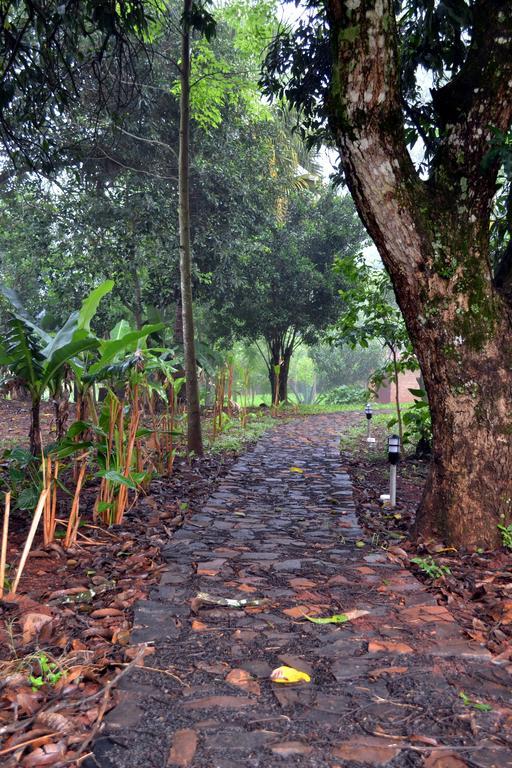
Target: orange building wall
x,y
406,381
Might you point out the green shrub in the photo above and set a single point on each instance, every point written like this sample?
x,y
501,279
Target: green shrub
x,y
343,395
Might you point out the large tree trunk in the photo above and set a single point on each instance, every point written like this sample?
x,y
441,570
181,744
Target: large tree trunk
x,y
433,237
194,437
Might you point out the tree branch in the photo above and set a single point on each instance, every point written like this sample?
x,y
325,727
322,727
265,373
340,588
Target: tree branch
x,y
136,170
476,103
155,142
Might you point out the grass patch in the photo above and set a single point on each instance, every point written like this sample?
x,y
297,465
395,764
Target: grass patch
x,y
236,438
319,408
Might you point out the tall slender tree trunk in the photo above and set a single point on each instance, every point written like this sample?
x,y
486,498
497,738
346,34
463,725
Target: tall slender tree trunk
x,y
35,427
137,299
178,321
194,437
433,237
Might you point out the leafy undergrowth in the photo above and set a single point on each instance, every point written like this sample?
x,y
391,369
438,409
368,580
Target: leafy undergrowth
x,y
475,587
65,639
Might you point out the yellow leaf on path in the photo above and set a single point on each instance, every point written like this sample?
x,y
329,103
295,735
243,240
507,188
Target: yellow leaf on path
x,y
297,469
289,675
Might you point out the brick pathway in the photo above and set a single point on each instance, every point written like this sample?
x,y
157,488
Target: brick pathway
x,y
385,688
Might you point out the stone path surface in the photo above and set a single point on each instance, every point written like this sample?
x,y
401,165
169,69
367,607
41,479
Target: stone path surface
x,y
385,688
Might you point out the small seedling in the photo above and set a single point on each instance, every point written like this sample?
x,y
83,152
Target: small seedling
x,y
474,704
50,673
506,535
429,566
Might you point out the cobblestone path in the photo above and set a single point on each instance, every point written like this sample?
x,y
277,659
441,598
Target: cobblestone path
x,y
385,688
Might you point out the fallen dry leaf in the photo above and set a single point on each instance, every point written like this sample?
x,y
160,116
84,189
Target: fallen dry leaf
x,y
242,679
388,646
32,624
183,749
289,675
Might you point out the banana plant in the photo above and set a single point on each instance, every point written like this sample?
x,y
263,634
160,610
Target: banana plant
x,y
39,359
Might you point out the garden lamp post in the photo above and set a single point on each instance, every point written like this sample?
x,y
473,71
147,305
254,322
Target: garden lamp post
x,y
393,458
368,413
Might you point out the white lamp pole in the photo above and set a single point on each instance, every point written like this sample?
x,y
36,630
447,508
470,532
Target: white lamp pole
x,y
393,458
368,413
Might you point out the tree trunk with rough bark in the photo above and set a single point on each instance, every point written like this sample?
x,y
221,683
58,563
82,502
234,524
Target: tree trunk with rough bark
x,y
433,236
194,437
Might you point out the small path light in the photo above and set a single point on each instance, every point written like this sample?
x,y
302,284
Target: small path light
x,y
393,458
369,413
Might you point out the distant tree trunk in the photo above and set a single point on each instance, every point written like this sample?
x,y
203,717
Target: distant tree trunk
x,y
194,437
35,427
137,309
279,381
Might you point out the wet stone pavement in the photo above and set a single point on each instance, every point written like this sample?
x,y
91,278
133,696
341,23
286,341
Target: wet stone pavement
x,y
385,688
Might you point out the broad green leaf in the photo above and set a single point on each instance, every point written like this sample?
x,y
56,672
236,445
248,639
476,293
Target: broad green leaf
x,y
19,311
91,303
64,335
339,618
127,343
66,449
62,355
28,498
120,329
418,392
139,477
117,478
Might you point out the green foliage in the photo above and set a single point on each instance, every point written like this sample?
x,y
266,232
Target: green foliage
x,y
235,438
369,310
417,421
506,535
23,477
38,359
478,705
429,566
50,674
335,365
45,50
343,395
433,37
283,288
